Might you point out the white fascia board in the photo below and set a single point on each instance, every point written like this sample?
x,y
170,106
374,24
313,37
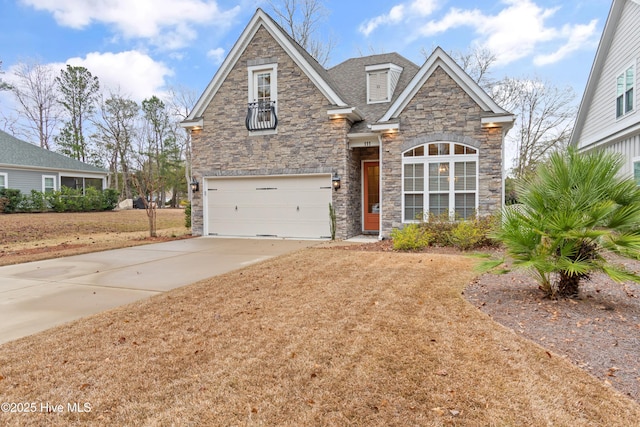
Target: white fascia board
x,y
609,136
439,57
387,66
381,127
191,124
351,113
505,121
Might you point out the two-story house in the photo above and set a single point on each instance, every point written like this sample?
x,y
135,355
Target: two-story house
x,y
277,138
608,117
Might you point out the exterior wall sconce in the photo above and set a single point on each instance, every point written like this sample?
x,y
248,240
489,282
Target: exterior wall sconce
x,y
195,186
335,181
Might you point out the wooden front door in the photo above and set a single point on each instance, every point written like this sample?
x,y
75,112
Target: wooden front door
x,y
371,196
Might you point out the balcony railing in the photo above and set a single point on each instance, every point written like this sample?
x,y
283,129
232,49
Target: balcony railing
x,y
261,115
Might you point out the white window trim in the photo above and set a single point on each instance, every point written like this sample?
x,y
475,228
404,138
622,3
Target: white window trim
x,y
6,179
634,160
451,159
253,70
635,91
55,182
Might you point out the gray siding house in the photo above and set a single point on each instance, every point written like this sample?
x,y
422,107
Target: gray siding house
x,y
26,167
608,117
277,138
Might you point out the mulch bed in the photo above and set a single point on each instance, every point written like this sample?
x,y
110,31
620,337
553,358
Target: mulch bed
x,y
599,331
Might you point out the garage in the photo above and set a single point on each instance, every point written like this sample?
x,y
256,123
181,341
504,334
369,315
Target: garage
x,y
271,206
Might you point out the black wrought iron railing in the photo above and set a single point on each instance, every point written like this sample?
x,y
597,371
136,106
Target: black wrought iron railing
x,y
261,115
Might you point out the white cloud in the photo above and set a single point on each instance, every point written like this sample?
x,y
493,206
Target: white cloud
x,y
578,36
398,13
167,23
517,31
134,74
217,55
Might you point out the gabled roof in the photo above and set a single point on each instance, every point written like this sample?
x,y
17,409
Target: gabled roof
x,y
440,59
598,65
314,71
597,68
17,153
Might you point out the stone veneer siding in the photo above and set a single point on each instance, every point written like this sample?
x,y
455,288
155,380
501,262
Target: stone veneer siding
x,y
307,141
440,111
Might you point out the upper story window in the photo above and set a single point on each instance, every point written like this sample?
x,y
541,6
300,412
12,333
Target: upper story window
x,y
624,91
263,94
381,82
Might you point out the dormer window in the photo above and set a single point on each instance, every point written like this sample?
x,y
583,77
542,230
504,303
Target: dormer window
x,y
381,82
263,91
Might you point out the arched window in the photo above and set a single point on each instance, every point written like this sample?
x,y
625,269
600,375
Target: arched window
x,y
439,178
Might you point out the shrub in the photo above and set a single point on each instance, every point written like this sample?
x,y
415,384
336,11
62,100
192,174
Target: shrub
x,y
411,237
466,235
439,229
187,215
11,199
576,208
110,198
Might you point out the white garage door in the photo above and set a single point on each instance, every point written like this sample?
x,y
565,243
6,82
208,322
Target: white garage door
x,y
282,206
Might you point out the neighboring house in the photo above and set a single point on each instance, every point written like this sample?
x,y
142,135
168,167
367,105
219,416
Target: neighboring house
x,y
277,138
27,167
608,117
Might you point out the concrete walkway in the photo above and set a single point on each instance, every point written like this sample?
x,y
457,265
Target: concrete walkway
x,y
38,295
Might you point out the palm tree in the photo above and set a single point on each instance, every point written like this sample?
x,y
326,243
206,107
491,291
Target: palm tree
x,y
575,210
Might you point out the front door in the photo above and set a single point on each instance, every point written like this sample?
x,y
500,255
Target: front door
x,y
371,196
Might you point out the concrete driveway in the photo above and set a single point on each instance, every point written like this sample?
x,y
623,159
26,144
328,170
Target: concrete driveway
x,y
38,295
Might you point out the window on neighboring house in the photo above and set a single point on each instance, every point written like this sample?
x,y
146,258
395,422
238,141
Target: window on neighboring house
x,y
440,178
381,82
48,184
3,181
261,114
624,91
636,170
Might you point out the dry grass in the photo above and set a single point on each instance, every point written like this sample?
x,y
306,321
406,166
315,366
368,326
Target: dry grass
x,y
33,237
318,337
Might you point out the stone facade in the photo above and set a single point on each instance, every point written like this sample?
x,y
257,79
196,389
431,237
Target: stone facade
x,y
440,111
308,141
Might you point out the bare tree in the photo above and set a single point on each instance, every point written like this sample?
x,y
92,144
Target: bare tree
x,y
115,133
545,117
180,102
3,85
300,18
35,91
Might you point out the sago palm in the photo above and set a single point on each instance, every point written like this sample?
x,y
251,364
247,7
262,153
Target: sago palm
x,y
572,212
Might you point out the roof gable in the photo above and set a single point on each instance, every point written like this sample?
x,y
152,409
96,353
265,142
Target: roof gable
x,y
314,71
440,59
17,153
603,51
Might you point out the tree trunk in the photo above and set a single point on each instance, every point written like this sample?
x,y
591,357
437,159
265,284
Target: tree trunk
x,y
568,285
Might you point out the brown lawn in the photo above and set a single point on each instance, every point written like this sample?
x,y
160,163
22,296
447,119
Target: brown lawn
x,y
317,337
32,237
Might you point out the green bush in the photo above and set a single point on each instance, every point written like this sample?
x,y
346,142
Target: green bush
x,y
466,235
109,199
11,199
187,215
439,228
411,237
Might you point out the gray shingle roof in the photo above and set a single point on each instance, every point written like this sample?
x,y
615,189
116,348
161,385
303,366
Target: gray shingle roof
x,y
18,153
350,77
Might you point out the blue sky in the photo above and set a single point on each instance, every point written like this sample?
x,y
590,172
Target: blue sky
x,y
146,46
